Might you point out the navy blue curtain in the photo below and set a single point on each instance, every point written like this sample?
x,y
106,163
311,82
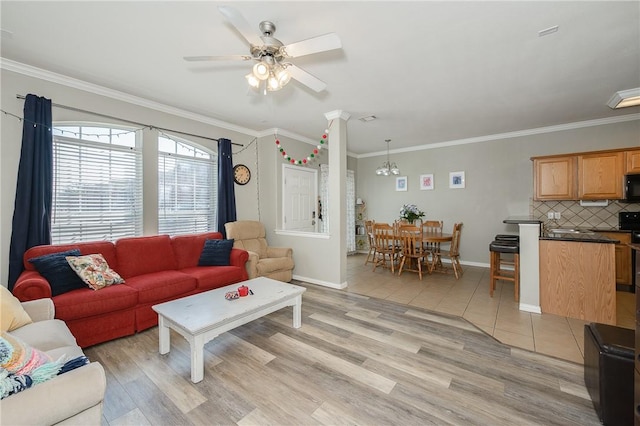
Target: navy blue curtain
x,y
32,208
226,191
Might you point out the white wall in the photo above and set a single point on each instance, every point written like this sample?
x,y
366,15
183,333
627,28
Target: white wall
x,y
258,200
498,173
499,180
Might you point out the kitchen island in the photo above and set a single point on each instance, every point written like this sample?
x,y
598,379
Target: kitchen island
x,y
577,276
566,273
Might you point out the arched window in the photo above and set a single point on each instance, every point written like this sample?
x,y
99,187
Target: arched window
x,y
187,187
97,183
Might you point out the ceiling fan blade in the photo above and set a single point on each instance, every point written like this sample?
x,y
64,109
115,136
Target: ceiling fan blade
x,y
312,45
240,23
305,78
218,58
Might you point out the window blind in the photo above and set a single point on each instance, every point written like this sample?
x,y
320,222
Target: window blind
x,y
187,194
97,191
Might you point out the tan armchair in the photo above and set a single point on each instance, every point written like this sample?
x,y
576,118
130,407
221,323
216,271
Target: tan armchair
x,y
264,261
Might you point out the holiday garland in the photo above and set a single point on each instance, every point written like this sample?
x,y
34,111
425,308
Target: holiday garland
x,y
309,157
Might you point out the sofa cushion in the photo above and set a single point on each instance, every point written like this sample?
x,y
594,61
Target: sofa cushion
x,y
187,248
257,245
18,357
46,335
55,269
12,314
144,255
210,277
161,286
94,270
106,248
216,253
268,265
85,302
22,365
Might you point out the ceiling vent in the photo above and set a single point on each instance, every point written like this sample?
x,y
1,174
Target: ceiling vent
x,y
367,118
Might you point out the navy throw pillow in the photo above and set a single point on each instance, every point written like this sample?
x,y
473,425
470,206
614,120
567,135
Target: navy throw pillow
x,y
216,253
55,269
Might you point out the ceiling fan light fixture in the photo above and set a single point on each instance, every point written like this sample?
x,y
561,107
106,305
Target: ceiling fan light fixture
x,y
283,76
252,80
273,83
261,71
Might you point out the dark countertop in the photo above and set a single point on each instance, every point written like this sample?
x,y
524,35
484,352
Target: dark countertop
x,y
580,238
622,231
522,219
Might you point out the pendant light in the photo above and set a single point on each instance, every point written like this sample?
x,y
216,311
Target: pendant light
x,y
388,168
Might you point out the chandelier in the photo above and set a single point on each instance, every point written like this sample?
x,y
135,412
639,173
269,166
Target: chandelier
x,y
387,167
270,73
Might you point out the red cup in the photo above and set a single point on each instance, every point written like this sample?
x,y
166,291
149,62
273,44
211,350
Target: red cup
x,y
243,290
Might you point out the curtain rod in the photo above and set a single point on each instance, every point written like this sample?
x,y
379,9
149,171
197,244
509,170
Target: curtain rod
x,y
129,121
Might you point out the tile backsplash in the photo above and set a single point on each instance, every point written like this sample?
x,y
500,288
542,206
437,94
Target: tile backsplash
x,y
574,215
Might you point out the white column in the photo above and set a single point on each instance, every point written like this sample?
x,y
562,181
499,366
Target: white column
x,y
338,193
529,267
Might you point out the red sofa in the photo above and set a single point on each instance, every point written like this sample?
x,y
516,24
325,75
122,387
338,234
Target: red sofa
x,y
155,269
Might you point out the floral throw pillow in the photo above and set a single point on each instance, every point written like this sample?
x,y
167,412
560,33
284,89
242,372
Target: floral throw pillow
x,y
94,270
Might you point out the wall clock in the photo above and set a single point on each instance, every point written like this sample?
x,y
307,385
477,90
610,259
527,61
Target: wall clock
x,y
241,174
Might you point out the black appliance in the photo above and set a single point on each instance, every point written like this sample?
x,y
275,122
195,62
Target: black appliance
x,y
632,188
630,221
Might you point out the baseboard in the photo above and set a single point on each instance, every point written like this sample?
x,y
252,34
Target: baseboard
x,y
534,309
320,282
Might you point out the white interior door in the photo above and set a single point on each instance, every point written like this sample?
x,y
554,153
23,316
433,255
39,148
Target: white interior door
x,y
299,198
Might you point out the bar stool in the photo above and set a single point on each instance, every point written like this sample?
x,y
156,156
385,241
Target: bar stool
x,y
497,249
507,237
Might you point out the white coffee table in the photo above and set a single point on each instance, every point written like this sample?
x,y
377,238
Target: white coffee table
x,y
202,317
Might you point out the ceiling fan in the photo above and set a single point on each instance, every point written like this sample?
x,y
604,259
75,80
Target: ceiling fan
x,y
272,70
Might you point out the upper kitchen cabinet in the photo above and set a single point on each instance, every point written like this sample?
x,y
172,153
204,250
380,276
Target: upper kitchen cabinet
x,y
554,178
632,161
600,176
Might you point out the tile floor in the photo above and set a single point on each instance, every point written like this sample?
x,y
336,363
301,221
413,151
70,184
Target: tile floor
x,y
469,297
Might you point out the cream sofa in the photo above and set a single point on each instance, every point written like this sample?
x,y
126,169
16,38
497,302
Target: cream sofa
x,y
264,261
72,398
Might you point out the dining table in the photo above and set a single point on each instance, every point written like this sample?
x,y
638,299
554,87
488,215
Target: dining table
x,y
436,237
429,237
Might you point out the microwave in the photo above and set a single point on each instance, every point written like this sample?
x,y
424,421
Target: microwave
x,y
632,188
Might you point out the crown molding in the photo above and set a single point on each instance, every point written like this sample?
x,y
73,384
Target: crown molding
x,y
39,73
509,135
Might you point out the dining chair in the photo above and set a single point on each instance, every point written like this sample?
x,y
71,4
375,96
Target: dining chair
x,y
371,255
453,254
385,246
431,226
412,249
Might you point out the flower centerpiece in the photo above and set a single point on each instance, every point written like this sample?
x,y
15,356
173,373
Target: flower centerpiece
x,y
410,212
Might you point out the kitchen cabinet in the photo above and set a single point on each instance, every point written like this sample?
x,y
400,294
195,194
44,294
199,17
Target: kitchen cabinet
x,y
600,176
623,256
596,175
577,280
555,178
632,160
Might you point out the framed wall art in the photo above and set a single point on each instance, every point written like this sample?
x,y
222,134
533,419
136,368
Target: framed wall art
x,y
456,180
426,182
401,183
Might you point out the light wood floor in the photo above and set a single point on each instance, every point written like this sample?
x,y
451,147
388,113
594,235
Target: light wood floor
x,y
469,298
355,360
